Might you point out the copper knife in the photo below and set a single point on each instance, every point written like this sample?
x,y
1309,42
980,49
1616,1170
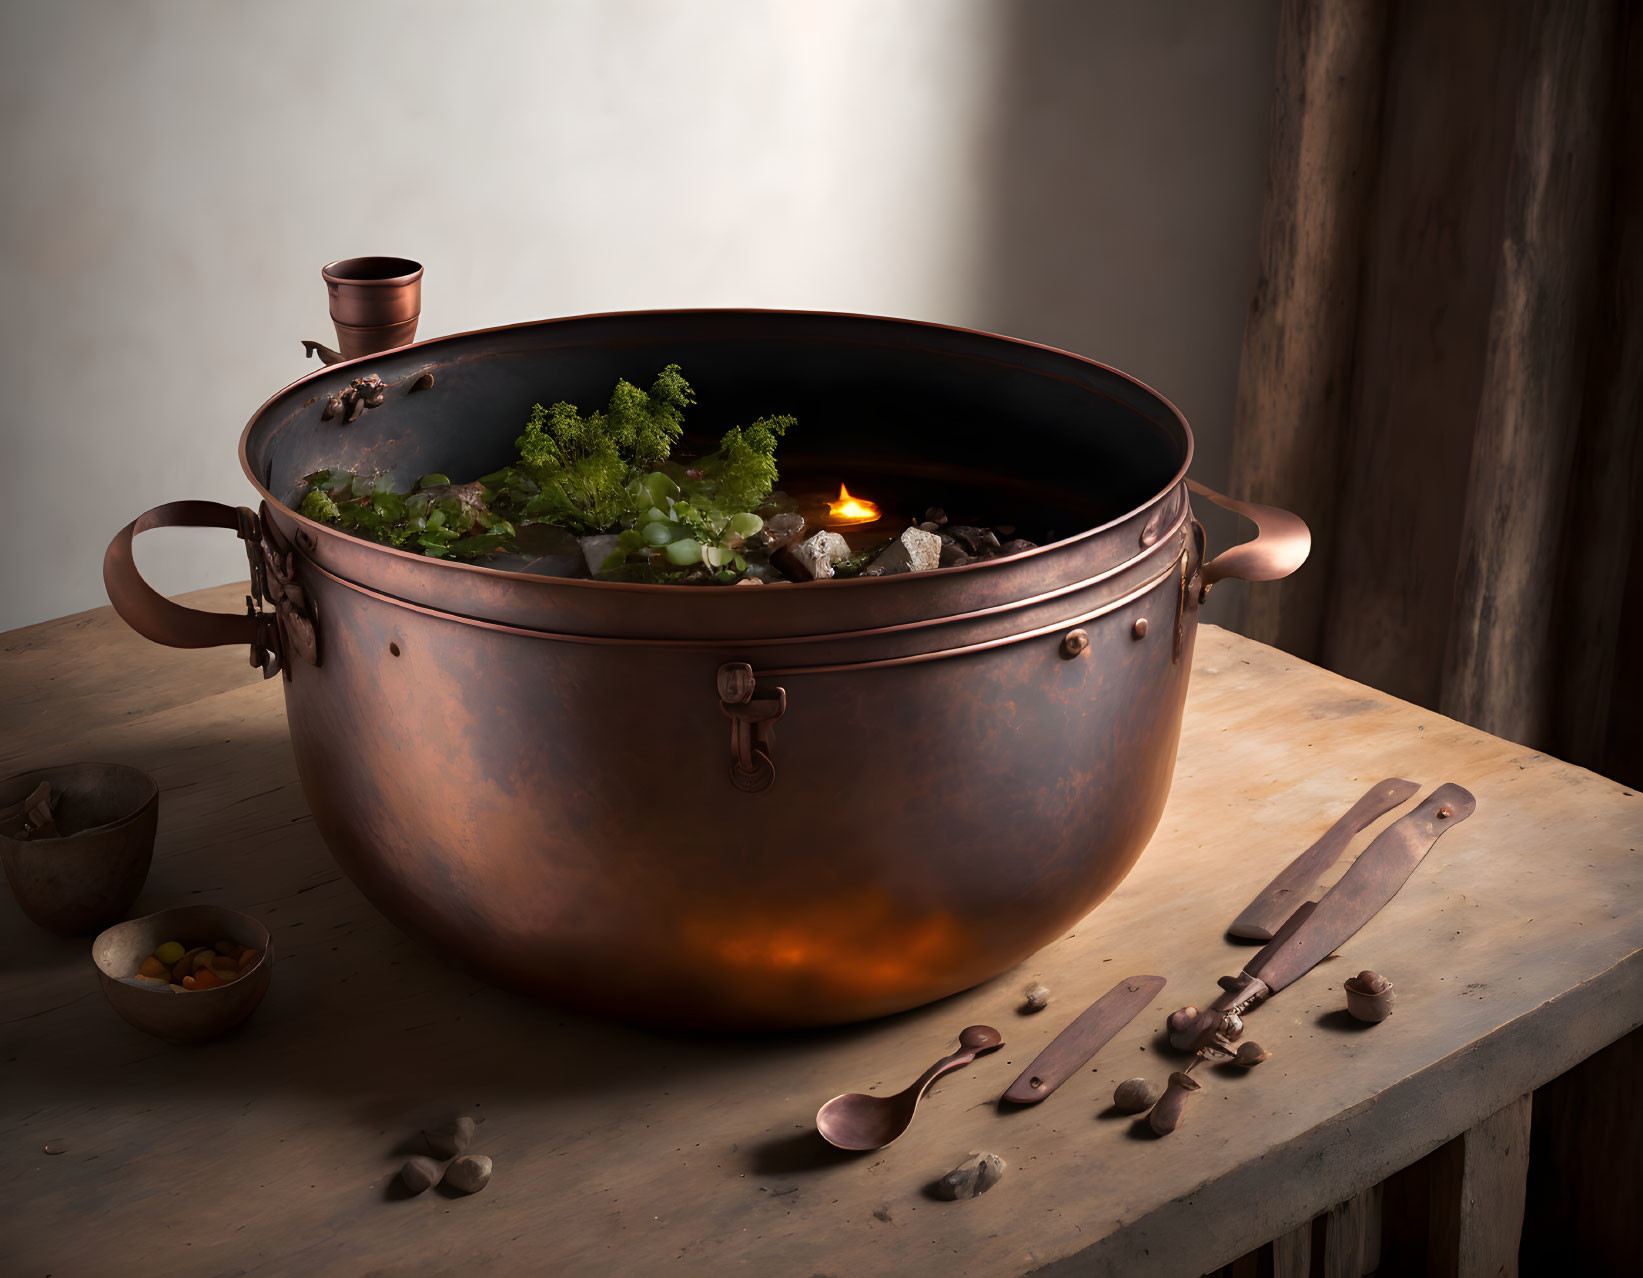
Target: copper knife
x,y
1263,916
1092,1030
1307,939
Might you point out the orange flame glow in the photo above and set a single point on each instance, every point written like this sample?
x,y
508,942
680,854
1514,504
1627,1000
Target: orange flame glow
x,y
850,510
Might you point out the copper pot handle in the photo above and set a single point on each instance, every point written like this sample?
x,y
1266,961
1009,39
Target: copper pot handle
x,y
162,620
1281,544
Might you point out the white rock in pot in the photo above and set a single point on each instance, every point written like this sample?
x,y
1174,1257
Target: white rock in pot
x,y
815,556
914,551
596,549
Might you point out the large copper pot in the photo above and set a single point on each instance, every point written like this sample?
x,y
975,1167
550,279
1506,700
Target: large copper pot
x,y
791,805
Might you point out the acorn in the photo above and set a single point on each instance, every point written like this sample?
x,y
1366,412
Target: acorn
x,y
1037,998
1250,1055
1369,996
1136,1095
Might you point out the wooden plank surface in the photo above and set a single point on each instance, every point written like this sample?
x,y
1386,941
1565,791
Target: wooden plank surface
x,y
1476,1192
1514,948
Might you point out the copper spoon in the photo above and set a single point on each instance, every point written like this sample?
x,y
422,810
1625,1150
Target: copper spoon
x,y
859,1121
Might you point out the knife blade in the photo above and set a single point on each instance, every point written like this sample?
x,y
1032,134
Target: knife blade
x,y
1311,935
1371,881
1292,924
1263,916
1086,1035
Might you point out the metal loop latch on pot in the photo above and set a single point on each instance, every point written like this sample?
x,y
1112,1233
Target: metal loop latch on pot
x,y
292,605
752,726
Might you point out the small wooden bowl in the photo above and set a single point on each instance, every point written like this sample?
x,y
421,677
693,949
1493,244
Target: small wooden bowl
x,y
183,1016
87,877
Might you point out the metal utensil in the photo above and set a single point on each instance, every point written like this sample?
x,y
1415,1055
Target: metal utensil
x,y
1263,916
859,1121
1092,1030
1373,880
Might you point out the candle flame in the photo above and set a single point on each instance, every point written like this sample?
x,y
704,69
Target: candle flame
x,y
851,510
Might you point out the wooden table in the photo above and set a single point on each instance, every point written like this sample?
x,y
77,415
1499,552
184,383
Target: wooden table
x,y
1514,949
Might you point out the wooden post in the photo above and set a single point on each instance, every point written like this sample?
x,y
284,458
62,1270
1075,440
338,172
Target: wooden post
x,y
1476,1194
1292,1253
1351,1242
1585,1184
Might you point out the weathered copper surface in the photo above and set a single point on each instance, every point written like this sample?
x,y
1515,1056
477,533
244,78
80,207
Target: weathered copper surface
x,y
798,804
87,876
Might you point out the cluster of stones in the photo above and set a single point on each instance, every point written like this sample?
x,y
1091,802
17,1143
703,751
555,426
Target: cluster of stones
x,y
922,547
784,551
465,1173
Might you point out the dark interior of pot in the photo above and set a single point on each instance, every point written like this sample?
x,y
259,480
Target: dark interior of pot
x,y
912,415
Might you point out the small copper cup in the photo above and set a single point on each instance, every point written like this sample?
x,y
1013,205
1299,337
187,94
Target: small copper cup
x,y
375,302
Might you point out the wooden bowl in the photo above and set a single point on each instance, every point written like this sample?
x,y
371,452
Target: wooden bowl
x,y
88,877
183,1016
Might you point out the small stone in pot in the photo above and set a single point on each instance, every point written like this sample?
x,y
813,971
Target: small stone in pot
x,y
450,1139
596,549
468,1174
782,530
978,541
1037,998
419,1173
971,1178
1136,1095
914,551
813,558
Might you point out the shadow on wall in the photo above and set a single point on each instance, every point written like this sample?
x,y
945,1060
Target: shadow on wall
x,y
1124,174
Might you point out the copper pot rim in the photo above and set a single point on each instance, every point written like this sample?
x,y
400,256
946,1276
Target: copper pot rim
x,y
775,643
328,272
45,774
315,529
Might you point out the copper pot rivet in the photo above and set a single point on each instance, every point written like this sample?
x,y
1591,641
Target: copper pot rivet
x,y
1140,628
1445,812
393,649
1075,643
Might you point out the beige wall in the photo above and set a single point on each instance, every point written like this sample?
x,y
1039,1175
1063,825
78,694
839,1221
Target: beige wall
x,y
1087,174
